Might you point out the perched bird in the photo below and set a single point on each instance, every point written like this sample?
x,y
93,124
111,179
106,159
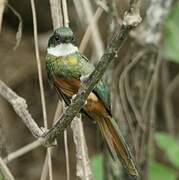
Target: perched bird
x,y
66,68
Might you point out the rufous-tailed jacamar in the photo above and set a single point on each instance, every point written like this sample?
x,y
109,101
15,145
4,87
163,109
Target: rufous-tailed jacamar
x,y
65,68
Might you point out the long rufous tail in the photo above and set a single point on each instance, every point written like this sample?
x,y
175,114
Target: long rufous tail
x,y
117,145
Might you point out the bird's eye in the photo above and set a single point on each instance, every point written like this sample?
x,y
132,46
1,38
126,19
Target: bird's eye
x,y
73,40
57,37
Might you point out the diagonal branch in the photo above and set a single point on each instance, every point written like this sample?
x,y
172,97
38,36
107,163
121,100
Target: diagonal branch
x,y
83,163
22,151
56,12
85,14
5,171
20,107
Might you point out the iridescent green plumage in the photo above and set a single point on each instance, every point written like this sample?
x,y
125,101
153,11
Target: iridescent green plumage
x,y
61,66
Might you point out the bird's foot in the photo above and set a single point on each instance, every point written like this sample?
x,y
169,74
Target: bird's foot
x,y
84,78
73,97
86,102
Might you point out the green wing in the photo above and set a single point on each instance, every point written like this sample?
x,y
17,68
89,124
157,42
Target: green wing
x,y
101,90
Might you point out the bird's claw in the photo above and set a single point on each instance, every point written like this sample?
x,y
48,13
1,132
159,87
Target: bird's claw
x,y
84,78
73,97
86,102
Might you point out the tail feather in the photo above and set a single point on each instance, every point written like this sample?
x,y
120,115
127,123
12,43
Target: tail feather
x,y
116,143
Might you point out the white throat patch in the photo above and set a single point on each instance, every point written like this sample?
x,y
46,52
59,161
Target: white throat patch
x,y
62,49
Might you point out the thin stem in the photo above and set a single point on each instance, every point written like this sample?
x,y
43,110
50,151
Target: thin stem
x,y
83,163
2,6
65,13
58,111
39,64
67,155
66,23
5,171
19,30
20,152
90,28
56,13
41,82
85,14
45,169
49,155
20,106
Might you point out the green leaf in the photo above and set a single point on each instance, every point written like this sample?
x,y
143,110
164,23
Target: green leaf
x,y
159,172
171,35
170,146
97,167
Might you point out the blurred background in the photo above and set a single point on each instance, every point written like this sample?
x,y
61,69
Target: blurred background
x,y
143,83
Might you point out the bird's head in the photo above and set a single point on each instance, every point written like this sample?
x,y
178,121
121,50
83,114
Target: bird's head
x,y
62,35
62,42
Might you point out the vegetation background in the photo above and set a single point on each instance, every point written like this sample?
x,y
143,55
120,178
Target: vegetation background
x,y
143,81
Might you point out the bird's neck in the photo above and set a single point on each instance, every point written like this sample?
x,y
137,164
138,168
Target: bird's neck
x,y
63,49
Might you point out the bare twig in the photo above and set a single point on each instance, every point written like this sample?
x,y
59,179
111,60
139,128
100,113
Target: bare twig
x,y
67,155
65,13
150,87
103,5
66,23
124,109
56,12
136,59
45,169
19,30
83,163
90,29
5,171
2,6
85,14
22,151
58,111
57,21
39,63
152,109
41,81
49,155
3,143
20,107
